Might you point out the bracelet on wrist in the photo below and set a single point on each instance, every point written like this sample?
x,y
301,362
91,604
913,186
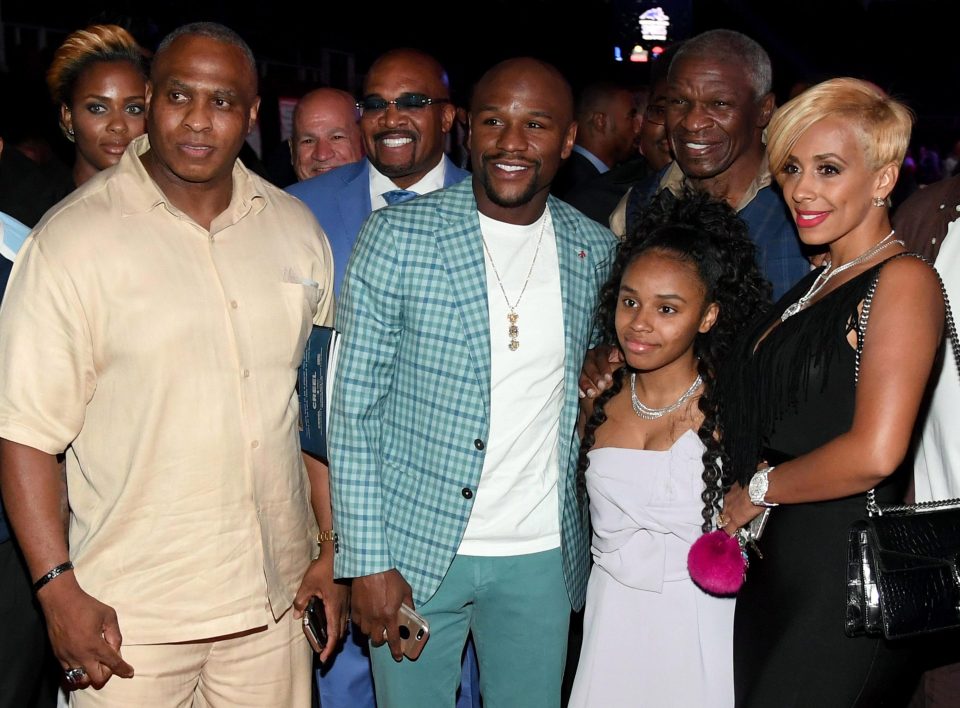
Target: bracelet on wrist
x,y
53,573
328,536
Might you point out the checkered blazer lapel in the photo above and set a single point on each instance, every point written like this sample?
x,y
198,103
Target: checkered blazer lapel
x,y
576,283
406,442
460,243
462,249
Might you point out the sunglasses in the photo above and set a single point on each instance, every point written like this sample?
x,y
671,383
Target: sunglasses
x,y
403,102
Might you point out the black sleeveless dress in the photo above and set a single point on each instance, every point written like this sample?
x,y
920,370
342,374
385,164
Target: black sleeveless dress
x,y
792,395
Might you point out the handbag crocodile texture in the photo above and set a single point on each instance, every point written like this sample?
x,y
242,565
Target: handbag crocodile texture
x,y
902,574
902,571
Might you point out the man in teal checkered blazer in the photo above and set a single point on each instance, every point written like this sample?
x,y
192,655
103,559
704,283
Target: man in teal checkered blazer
x,y
411,413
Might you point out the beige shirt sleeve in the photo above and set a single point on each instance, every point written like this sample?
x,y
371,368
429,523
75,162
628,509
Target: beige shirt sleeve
x,y
46,358
326,307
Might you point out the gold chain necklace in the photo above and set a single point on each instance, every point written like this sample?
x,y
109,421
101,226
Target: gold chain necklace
x,y
513,331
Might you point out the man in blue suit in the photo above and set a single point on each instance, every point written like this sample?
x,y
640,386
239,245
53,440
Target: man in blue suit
x,y
405,115
465,316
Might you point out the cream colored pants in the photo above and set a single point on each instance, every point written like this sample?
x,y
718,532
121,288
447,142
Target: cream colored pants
x,y
266,668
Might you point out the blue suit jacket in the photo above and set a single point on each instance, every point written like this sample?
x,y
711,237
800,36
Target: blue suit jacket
x,y
411,402
340,200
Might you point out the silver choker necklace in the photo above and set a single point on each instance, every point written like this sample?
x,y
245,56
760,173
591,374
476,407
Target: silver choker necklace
x,y
821,281
648,413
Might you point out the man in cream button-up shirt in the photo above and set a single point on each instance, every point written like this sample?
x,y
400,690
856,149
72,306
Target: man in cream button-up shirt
x,y
191,525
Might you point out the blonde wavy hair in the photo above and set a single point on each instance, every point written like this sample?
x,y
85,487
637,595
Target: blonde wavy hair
x,y
882,123
97,43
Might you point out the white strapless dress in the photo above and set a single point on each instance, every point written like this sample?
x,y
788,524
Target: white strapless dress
x,y
650,637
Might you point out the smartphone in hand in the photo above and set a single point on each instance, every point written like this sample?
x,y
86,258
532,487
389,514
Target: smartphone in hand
x,y
414,632
315,624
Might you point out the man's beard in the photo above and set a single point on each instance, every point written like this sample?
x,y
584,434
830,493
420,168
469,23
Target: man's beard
x,y
509,202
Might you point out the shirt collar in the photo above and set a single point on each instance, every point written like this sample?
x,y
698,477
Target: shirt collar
x,y
674,180
380,183
139,193
593,159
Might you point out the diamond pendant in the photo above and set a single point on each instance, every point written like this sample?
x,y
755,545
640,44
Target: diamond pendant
x,y
513,331
790,311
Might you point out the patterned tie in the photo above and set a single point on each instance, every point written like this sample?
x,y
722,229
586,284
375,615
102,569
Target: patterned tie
x,y
398,196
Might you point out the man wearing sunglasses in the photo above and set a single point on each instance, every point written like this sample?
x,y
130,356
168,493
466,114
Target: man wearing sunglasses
x,y
405,113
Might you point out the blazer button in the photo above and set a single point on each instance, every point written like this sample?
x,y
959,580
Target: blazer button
x,y
467,492
478,443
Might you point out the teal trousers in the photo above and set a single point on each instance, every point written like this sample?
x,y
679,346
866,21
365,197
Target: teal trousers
x,y
518,611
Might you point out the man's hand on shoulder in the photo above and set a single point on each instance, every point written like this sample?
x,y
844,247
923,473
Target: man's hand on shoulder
x,y
376,604
84,632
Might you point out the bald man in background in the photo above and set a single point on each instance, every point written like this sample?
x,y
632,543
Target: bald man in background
x,y
325,133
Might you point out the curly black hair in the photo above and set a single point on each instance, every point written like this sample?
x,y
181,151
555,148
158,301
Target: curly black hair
x,y
697,229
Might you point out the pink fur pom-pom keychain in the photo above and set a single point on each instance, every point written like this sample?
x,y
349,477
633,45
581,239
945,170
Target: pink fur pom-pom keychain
x,y
717,563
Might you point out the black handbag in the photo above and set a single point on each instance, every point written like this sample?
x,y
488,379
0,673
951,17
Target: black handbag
x,y
902,562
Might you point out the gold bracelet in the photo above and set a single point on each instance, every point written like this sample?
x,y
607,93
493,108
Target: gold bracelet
x,y
324,536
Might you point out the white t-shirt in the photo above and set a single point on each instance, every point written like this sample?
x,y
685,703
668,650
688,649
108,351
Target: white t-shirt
x,y
516,508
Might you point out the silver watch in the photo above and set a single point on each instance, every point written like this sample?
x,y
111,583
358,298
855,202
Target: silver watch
x,y
757,489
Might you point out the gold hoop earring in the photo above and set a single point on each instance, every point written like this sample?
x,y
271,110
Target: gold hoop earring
x,y
879,202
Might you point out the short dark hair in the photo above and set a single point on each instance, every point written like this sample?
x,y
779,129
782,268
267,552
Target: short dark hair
x,y
727,45
595,98
210,30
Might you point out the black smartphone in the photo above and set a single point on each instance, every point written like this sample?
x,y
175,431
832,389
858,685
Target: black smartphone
x,y
315,624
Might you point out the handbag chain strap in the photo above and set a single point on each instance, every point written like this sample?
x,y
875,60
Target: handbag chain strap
x,y
951,327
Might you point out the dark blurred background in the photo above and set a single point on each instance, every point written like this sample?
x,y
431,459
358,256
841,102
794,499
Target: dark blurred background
x,y
906,46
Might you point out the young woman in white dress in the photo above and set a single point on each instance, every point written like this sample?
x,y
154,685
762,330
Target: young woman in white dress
x,y
683,285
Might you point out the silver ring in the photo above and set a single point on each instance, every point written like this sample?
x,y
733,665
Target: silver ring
x,y
384,632
75,675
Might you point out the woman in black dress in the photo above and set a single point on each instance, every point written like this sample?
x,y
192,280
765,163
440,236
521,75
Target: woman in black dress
x,y
801,432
